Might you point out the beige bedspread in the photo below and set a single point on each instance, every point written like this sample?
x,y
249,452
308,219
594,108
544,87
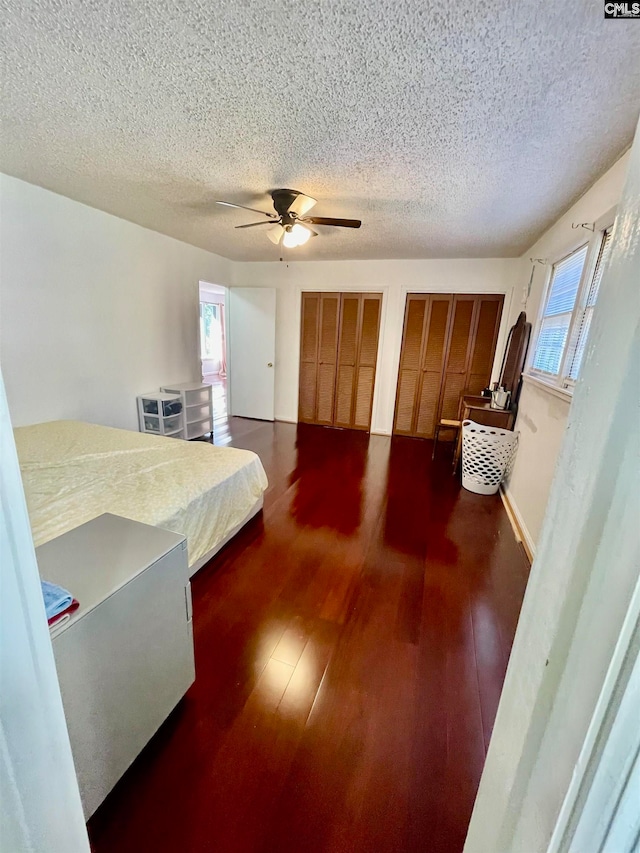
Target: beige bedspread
x,y
74,471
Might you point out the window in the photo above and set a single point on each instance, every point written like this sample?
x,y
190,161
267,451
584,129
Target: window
x,y
209,330
558,310
564,324
582,327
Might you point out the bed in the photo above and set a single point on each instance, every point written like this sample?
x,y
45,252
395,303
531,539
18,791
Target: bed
x,y
73,472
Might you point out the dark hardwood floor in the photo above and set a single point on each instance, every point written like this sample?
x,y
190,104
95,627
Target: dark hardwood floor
x,y
351,646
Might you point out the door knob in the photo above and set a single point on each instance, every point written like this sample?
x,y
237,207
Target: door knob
x,y
270,364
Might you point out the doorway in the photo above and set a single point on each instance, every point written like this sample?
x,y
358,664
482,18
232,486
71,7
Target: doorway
x,y
213,351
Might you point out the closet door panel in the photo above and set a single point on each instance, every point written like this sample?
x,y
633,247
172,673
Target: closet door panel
x,y
309,357
454,387
344,394
428,405
327,357
484,342
325,395
410,363
347,356
458,349
307,398
405,403
432,364
367,356
364,398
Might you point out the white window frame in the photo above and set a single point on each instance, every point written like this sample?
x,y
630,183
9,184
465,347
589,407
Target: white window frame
x,y
561,381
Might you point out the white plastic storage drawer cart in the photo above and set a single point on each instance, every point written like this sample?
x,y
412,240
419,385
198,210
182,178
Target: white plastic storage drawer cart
x,y
161,414
125,658
197,412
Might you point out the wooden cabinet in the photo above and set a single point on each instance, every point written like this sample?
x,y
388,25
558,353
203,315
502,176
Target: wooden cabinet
x,y
338,353
448,346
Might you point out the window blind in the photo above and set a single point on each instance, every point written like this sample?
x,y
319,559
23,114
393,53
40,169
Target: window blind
x,y
585,320
556,319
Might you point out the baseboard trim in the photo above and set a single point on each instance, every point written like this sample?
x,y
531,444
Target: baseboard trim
x,y
518,525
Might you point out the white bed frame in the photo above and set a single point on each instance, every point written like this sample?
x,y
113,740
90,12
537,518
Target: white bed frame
x,y
255,509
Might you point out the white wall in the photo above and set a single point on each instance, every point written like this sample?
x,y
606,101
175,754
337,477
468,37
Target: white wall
x,y
94,310
542,415
394,279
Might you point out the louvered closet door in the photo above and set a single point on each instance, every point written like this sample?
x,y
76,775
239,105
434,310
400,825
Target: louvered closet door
x,y
410,362
448,346
347,357
421,363
327,357
435,339
457,358
338,354
485,335
309,357
370,309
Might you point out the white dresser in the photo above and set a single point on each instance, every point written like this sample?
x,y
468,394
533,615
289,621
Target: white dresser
x,y
197,411
125,657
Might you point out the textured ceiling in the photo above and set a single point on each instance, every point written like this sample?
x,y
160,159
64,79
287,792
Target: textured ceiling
x,y
450,129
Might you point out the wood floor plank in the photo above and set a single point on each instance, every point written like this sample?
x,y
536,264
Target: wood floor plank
x,y
351,645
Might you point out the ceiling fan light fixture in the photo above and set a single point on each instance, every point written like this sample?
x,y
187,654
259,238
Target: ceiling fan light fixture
x,y
302,204
288,228
295,235
275,233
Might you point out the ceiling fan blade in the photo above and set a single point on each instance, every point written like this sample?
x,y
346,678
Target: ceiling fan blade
x,y
244,207
253,224
302,204
327,220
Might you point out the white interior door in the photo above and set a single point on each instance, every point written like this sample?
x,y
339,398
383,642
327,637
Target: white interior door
x,y
252,346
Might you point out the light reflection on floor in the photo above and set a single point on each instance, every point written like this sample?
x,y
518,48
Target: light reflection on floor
x,y
289,677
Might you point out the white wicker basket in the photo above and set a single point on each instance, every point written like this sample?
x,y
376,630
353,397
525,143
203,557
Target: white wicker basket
x,y
487,454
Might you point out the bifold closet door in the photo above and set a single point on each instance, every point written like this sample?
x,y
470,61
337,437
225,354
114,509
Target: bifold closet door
x,y
370,311
327,357
318,356
357,355
308,357
421,362
483,349
347,358
457,358
448,346
472,346
338,353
